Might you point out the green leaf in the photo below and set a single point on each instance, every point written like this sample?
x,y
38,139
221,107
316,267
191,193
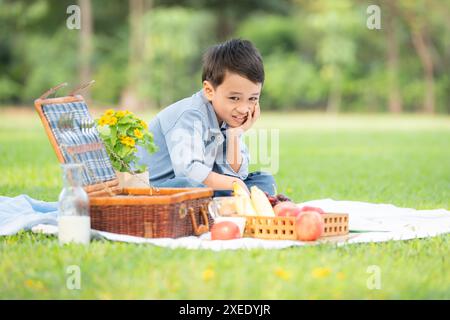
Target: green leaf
x,y
123,128
125,120
130,132
113,135
124,151
140,168
104,130
116,164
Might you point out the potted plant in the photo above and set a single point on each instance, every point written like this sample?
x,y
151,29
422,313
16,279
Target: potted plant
x,y
121,132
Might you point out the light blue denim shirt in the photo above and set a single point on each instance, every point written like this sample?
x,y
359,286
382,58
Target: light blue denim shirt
x,y
191,143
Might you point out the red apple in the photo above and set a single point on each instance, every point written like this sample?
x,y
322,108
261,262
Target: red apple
x,y
309,226
225,230
308,208
286,209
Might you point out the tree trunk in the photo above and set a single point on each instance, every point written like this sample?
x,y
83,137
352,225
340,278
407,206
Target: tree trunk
x,y
395,98
130,97
424,53
224,24
418,35
335,95
85,48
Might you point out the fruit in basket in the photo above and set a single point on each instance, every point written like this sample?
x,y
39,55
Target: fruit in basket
x,y
286,209
309,226
238,190
225,230
273,201
261,203
244,206
308,208
282,197
243,202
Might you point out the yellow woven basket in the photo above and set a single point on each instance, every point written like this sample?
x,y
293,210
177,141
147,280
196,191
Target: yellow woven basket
x,y
283,228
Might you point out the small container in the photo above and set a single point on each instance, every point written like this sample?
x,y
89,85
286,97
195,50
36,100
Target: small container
x,y
74,223
222,207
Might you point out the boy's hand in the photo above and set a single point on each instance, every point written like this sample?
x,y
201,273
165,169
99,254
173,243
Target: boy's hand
x,y
252,116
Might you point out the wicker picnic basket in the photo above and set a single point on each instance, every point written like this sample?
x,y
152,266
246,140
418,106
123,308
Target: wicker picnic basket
x,y
283,228
143,212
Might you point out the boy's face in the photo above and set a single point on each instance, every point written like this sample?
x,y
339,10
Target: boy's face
x,y
233,99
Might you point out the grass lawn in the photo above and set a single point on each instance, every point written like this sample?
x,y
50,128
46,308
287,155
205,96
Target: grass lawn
x,y
401,160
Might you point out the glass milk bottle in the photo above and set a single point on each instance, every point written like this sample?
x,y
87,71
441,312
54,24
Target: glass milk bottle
x,y
74,223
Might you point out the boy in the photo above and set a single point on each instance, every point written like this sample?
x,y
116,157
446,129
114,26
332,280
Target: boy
x,y
200,138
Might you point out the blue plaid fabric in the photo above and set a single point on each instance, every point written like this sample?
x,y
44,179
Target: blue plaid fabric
x,y
97,165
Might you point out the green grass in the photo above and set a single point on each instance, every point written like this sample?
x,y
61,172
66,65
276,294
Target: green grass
x,y
401,160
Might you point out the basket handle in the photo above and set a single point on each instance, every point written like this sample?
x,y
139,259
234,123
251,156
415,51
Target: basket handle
x,y
81,87
52,90
202,228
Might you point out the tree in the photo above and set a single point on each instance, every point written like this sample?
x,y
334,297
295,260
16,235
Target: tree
x,y
85,47
130,95
230,12
412,13
335,47
392,50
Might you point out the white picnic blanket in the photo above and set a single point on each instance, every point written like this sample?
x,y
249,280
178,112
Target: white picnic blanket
x,y
368,222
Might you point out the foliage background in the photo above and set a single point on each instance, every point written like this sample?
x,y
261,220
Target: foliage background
x,y
319,55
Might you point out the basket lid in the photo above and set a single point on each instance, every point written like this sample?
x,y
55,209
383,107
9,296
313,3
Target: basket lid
x,y
65,120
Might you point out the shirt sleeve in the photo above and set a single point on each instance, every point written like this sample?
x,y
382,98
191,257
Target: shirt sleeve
x,y
225,167
186,147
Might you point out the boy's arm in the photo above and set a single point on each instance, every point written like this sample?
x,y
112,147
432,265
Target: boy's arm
x,y
234,150
235,161
222,182
234,153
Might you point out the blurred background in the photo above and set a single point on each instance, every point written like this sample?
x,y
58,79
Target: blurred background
x,y
145,54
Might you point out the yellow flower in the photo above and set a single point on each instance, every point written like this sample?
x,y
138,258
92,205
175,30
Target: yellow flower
x,y
124,141
128,141
138,133
144,124
321,272
128,112
34,284
282,274
208,274
120,114
109,112
103,120
112,121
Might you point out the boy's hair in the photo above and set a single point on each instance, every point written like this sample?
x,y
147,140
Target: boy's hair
x,y
235,55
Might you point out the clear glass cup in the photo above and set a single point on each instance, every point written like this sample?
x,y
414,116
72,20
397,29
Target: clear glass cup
x,y
222,207
74,223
